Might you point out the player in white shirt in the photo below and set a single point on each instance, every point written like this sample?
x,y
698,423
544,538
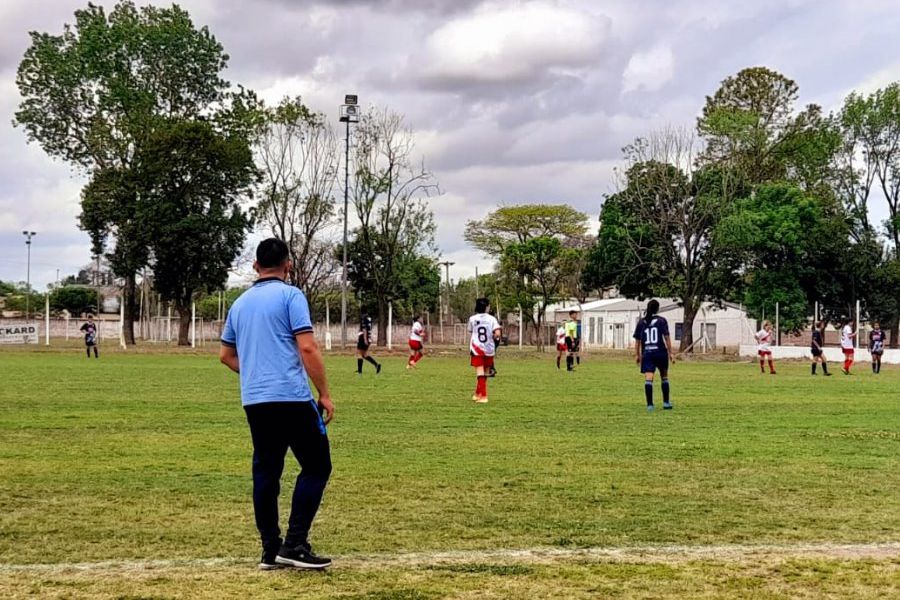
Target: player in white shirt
x,y
561,348
848,345
417,335
485,331
765,338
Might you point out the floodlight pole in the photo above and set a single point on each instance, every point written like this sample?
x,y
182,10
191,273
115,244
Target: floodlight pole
x,y
346,117
344,260
447,264
28,235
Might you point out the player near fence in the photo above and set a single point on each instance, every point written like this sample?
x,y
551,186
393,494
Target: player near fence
x,y
417,335
653,347
90,336
817,345
484,331
363,341
573,341
848,337
765,337
561,348
876,346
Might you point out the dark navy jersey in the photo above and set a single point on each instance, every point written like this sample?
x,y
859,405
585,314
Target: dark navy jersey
x,y
652,335
365,329
876,340
90,333
817,341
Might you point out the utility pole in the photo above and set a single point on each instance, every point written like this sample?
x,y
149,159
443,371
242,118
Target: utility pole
x,y
447,264
349,114
28,235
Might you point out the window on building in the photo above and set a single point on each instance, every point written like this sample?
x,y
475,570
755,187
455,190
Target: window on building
x,y
679,331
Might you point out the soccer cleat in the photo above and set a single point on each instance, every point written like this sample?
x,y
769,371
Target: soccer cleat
x,y
650,408
481,400
827,374
667,406
301,557
772,373
378,368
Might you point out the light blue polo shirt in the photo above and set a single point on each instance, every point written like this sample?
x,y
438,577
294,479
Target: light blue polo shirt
x,y
262,324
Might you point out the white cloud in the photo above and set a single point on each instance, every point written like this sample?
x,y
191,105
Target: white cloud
x,y
512,42
649,71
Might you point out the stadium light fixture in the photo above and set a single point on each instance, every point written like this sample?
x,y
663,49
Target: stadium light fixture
x,y
28,235
349,114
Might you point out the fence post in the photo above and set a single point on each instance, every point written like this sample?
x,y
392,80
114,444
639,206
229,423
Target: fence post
x,y
193,324
857,325
520,327
390,326
777,324
47,319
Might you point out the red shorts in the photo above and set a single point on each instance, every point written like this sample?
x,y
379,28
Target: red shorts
x,y
415,345
561,347
482,361
848,351
765,353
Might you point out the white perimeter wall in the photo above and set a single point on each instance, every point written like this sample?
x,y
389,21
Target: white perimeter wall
x,y
832,354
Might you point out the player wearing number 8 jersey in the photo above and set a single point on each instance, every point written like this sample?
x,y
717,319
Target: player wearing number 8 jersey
x,y
652,348
484,330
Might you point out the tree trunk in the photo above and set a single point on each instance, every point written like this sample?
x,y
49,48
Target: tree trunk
x,y
895,332
687,327
382,322
184,324
130,308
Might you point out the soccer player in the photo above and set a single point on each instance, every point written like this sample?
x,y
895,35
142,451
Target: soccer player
x,y
268,339
817,346
560,344
90,336
417,336
653,347
876,346
484,330
572,340
847,346
764,339
363,341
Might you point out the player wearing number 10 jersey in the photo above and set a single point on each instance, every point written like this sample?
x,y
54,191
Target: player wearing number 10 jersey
x,y
485,331
652,348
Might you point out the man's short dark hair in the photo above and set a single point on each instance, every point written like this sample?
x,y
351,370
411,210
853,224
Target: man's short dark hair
x,y
271,253
481,305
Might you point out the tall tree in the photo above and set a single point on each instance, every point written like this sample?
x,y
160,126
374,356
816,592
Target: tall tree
x,y
520,223
543,265
298,156
194,181
93,95
389,191
656,234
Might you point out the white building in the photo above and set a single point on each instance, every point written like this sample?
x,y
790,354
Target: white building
x,y
610,323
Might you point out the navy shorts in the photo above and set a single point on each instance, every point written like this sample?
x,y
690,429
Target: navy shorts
x,y
653,361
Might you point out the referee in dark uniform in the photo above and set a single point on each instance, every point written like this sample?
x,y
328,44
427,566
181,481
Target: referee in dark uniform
x,y
268,339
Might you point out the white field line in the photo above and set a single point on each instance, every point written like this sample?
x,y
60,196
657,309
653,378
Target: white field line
x,y
639,554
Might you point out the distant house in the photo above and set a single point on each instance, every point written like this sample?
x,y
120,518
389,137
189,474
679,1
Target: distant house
x,y
610,323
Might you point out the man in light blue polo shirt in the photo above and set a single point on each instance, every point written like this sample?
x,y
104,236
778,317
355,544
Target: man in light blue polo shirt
x,y
268,339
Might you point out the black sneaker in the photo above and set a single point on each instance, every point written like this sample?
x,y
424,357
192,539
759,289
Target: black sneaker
x,y
268,561
378,368
301,557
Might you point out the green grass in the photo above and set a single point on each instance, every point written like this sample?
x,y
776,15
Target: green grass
x,y
145,456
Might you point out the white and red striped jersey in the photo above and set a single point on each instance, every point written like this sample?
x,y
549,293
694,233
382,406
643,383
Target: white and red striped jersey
x,y
482,328
560,336
764,340
417,333
847,338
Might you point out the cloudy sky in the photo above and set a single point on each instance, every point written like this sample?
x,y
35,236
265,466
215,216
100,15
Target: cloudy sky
x,y
512,102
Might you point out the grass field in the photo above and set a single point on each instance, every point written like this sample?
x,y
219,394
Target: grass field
x,y
128,477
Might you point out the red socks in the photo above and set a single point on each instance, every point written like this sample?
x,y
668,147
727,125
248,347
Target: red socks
x,y
481,386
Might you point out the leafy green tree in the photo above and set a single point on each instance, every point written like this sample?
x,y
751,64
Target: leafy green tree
x,y
750,127
193,180
7,288
656,234
74,299
786,239
93,96
520,223
544,265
